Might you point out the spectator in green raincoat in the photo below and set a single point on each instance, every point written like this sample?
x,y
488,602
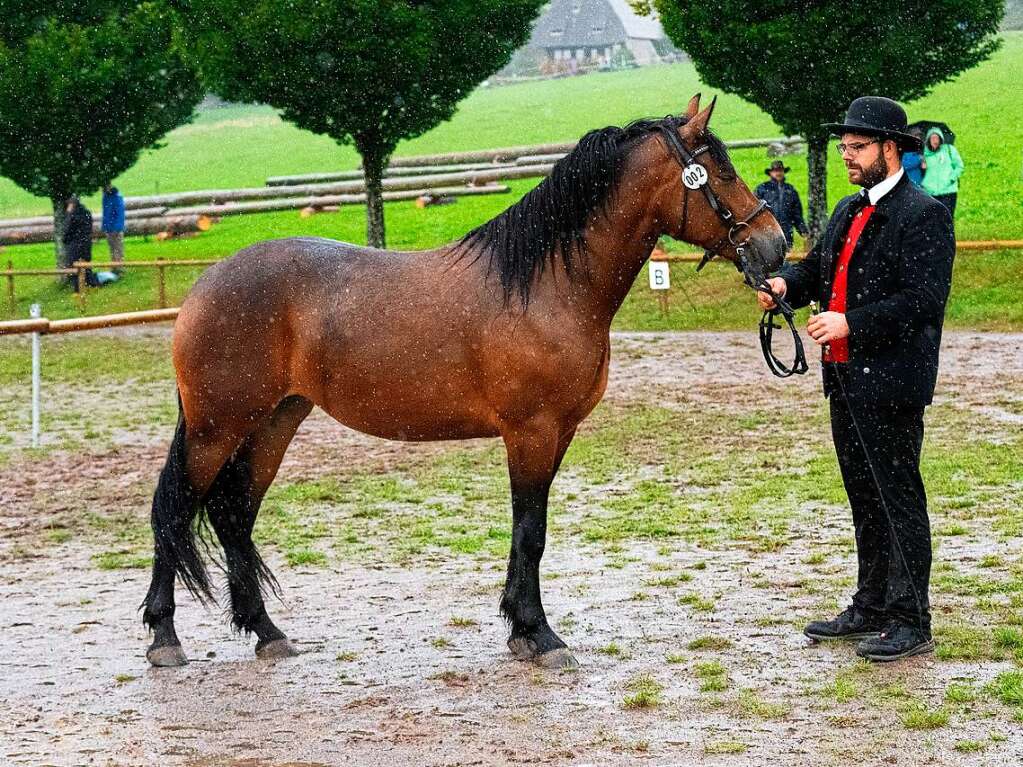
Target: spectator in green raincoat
x,y
944,167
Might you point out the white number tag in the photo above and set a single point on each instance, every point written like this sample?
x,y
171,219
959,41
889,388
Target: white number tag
x,y
660,276
694,176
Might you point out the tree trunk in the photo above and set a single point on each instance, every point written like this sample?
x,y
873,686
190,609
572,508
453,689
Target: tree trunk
x,y
817,198
59,217
373,163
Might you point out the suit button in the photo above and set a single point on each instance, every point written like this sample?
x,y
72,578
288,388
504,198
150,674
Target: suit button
x,y
841,268
866,370
860,270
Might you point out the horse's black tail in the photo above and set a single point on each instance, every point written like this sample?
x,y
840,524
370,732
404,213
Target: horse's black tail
x,y
177,513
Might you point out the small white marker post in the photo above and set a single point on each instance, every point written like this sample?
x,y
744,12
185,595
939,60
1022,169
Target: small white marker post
x,y
35,312
660,279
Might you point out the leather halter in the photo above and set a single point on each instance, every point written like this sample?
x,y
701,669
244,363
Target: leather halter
x,y
752,277
734,227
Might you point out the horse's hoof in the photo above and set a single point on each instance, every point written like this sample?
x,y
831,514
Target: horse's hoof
x,y
522,648
561,659
168,655
275,650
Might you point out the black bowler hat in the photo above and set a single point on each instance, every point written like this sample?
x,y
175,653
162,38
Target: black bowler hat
x,y
777,165
877,116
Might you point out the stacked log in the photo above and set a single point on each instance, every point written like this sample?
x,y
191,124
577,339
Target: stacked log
x,y
21,223
177,224
487,158
323,201
356,175
504,155
208,198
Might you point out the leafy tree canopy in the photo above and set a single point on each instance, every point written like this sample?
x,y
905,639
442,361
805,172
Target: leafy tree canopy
x,y
364,72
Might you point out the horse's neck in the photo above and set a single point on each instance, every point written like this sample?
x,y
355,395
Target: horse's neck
x,y
617,247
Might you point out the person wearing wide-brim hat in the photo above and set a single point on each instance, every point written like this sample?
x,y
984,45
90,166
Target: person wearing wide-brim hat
x,y
882,271
783,200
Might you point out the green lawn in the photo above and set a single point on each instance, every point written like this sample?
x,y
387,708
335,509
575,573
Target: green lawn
x,y
241,146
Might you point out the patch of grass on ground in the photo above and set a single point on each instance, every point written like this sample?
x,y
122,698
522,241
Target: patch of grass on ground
x,y
1008,688
752,704
709,643
644,692
121,560
713,676
722,747
918,716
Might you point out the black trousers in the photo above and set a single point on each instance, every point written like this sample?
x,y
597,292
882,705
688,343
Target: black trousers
x,y
889,585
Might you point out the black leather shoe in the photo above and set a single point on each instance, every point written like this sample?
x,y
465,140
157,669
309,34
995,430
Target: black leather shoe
x,y
895,642
851,623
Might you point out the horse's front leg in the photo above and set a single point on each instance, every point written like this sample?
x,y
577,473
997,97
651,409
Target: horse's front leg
x,y
534,455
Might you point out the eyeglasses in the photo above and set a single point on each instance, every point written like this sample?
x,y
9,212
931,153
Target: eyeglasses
x,y
855,149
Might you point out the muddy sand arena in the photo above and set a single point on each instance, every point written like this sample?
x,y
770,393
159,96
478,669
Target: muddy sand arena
x,y
696,526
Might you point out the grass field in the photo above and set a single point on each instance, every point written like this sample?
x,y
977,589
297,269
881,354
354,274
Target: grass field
x,y
242,145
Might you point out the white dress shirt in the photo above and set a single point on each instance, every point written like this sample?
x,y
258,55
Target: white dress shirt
x,y
879,190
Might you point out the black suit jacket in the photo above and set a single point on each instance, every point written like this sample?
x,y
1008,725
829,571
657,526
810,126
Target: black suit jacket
x,y
899,278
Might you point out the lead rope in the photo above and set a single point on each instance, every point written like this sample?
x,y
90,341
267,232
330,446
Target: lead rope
x,y
781,308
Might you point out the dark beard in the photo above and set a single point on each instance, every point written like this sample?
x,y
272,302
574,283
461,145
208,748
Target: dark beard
x,y
875,173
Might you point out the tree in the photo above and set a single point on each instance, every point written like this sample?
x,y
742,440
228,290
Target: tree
x,y
85,86
369,73
804,61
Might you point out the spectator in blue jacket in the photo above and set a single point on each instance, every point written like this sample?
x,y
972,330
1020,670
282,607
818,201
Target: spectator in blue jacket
x,y
913,162
784,200
113,224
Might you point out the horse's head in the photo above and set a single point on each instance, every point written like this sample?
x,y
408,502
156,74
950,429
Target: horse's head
x,y
709,203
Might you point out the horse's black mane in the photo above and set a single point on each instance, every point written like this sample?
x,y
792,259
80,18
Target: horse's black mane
x,y
550,221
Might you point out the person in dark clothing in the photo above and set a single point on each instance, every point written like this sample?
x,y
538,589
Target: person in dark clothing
x,y
883,270
78,239
784,201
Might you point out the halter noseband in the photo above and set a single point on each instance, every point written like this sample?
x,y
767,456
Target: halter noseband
x,y
735,228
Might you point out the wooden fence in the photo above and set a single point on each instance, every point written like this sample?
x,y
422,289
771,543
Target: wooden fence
x,y
78,269
160,266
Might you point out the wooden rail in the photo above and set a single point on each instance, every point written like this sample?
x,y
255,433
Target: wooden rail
x,y
50,327
78,269
799,255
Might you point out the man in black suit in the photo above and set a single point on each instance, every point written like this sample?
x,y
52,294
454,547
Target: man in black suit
x,y
882,270
784,201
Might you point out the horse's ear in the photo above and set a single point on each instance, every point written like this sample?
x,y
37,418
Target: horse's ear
x,y
694,107
698,124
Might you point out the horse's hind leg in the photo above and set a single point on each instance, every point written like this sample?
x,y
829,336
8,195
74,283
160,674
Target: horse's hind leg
x,y
232,505
191,464
534,456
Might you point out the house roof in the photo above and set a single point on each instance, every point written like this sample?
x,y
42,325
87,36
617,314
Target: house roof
x,y
578,23
644,27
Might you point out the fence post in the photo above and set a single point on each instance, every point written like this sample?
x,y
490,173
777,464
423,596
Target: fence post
x,y
35,311
161,286
10,287
662,299
82,285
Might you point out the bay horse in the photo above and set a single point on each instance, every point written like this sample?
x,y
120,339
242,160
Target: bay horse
x,y
504,333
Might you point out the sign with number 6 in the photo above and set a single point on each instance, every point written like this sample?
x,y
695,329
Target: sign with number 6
x,y
694,176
